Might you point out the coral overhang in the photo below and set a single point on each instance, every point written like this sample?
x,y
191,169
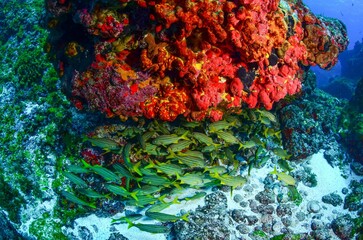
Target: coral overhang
x,y
162,59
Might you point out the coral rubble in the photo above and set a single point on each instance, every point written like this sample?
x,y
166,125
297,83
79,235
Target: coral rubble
x,y
200,59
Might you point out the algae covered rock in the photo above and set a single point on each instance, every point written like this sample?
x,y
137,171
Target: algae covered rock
x,y
209,222
343,227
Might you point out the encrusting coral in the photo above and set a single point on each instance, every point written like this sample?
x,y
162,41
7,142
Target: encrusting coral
x,y
201,59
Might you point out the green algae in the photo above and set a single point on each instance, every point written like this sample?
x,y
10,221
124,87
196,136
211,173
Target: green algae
x,y
34,124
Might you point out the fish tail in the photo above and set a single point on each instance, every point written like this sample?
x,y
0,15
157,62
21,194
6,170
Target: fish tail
x,y
185,217
91,205
184,136
177,185
176,201
85,138
108,196
150,165
133,195
131,224
240,146
177,176
216,145
274,171
161,198
215,175
171,155
86,164
136,169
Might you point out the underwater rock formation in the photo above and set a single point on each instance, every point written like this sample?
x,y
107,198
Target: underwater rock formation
x,y
311,122
163,59
352,61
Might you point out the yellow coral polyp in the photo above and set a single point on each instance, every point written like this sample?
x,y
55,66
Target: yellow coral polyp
x,y
72,49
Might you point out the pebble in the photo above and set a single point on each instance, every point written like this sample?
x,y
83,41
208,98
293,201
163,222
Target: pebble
x,y
183,211
333,199
266,197
283,209
282,198
269,181
110,208
286,230
286,221
248,188
85,233
251,219
276,227
313,207
225,188
357,168
217,199
117,236
266,218
243,229
238,198
321,234
300,216
265,209
267,227
253,205
237,215
316,225
243,204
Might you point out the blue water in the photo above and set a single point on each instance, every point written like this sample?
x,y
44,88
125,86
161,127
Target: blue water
x,y
348,11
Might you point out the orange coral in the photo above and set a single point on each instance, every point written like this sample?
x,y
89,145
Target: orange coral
x,y
163,59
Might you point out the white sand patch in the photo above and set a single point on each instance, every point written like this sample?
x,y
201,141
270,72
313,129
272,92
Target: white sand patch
x,y
329,179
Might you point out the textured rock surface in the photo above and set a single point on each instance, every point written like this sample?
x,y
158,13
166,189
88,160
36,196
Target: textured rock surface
x,y
162,59
7,231
333,199
343,227
209,222
311,123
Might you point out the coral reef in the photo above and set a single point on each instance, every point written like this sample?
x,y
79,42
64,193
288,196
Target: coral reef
x,y
311,122
132,59
164,59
